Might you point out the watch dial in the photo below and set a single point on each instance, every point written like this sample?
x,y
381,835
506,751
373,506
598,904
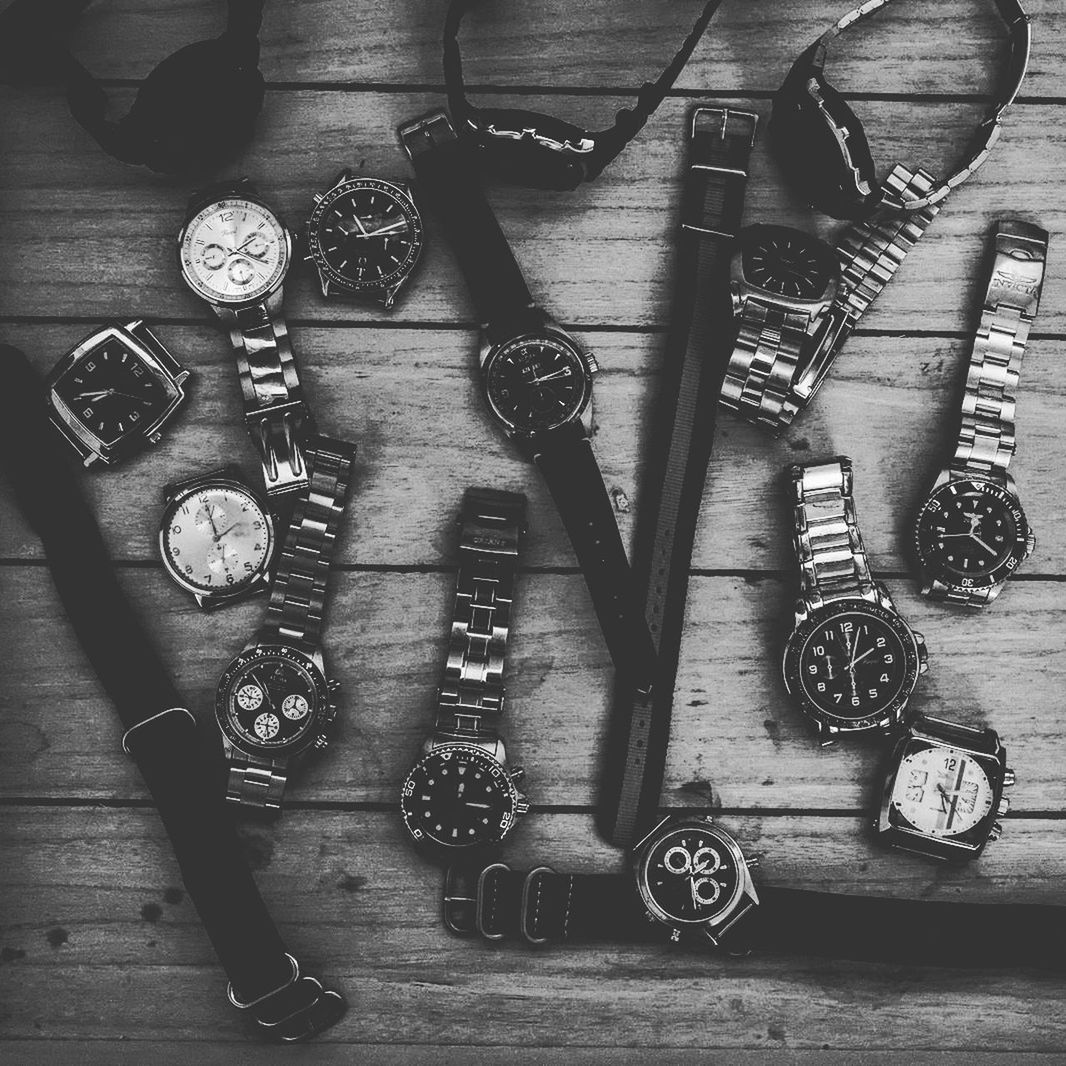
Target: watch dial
x,y
942,791
234,251
269,697
788,262
366,234
217,538
690,875
458,796
537,382
971,533
112,391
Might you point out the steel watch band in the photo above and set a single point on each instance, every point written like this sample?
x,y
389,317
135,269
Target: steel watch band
x,y
832,559
470,699
255,782
297,599
987,434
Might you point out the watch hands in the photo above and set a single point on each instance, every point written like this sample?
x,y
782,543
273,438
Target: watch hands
x,y
219,536
265,691
97,394
401,224
565,372
860,658
978,540
484,806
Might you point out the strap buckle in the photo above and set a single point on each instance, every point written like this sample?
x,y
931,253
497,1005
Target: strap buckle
x,y
460,900
426,133
154,718
524,912
723,116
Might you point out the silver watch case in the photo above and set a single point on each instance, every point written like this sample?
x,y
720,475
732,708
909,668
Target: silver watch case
x,y
333,283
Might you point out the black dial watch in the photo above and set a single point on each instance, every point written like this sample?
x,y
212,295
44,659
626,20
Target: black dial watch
x,y
851,662
462,795
943,790
537,380
364,237
113,392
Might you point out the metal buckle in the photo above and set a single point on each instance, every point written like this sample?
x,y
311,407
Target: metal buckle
x,y
724,114
524,913
153,718
241,1005
460,900
479,907
1018,268
421,135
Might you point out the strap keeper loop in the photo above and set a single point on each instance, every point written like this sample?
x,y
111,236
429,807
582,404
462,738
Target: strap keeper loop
x,y
154,718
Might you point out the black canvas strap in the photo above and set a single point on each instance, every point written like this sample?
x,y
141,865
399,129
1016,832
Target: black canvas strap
x,y
697,352
183,773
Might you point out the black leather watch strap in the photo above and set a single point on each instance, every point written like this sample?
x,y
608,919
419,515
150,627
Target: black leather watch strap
x,y
451,188
697,352
566,460
161,735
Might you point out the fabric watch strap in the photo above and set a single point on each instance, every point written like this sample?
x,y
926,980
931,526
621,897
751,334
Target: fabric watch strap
x,y
698,346
542,907
471,695
162,736
451,188
573,477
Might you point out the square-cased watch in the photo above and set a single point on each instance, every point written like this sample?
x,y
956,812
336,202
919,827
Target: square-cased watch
x,y
114,391
943,790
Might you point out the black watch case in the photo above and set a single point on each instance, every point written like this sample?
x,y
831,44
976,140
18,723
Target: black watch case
x,y
785,267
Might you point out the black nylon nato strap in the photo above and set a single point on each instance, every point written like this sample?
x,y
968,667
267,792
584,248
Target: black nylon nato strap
x,y
541,907
451,188
184,776
697,352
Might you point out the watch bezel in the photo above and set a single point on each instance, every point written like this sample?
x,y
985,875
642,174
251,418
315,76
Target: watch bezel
x,y
681,927
268,288
884,718
498,769
744,286
208,597
1019,552
389,282
321,714
76,427
554,336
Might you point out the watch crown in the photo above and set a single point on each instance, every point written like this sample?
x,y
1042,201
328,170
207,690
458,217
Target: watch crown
x,y
154,437
1030,543
522,807
995,832
1008,778
591,363
752,863
1004,806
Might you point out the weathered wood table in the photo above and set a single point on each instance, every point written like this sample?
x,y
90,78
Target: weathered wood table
x,y
102,957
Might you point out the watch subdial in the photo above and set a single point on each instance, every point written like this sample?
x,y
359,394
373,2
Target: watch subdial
x,y
209,517
214,257
294,707
256,246
240,272
249,697
267,725
222,558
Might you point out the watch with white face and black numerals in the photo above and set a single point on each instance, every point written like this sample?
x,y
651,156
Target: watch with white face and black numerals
x,y
114,392
216,537
234,253
690,883
797,300
364,237
274,701
851,662
462,795
971,533
943,790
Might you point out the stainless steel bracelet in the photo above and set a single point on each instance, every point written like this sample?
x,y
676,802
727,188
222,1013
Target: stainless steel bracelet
x,y
471,694
987,435
274,409
832,559
298,597
254,781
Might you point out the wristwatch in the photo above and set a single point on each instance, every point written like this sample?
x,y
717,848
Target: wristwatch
x,y
114,392
234,254
797,300
462,795
364,237
943,790
971,533
274,701
216,537
851,662
689,883
537,380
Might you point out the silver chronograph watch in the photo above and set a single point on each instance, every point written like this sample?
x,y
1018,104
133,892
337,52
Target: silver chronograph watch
x,y
851,662
274,702
216,537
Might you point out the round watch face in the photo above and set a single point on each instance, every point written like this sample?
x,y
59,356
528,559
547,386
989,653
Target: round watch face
x,y
113,392
942,791
852,665
459,796
789,263
234,251
971,534
690,874
537,382
365,235
269,698
216,537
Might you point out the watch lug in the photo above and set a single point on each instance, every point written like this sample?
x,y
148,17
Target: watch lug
x,y
389,297
942,479
1009,483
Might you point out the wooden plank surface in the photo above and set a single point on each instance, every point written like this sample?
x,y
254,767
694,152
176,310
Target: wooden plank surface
x,y
101,956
